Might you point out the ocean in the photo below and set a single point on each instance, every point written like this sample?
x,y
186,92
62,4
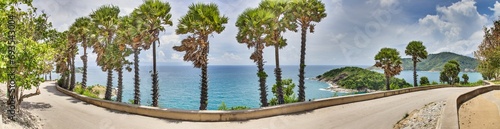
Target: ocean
x,y
233,85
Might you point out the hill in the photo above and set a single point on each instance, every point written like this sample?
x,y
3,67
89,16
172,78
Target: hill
x,y
359,78
435,62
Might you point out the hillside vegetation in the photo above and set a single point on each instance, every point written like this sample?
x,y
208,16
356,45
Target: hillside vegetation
x,y
435,62
359,78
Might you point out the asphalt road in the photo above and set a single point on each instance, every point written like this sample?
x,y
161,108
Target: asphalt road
x,y
59,111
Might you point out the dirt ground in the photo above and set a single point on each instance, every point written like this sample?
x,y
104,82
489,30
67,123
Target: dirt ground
x,y
481,112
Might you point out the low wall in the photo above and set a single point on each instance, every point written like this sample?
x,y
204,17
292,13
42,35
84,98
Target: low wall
x,y
240,115
449,118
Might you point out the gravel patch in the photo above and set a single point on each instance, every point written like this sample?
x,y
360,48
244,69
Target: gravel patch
x,y
424,118
24,120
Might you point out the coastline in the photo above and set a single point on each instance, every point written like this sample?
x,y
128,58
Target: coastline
x,y
333,87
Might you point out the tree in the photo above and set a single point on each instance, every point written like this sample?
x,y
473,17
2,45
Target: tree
x,y
417,51
200,21
118,53
105,20
488,53
466,78
389,60
154,14
289,96
28,47
424,81
282,23
254,28
129,32
305,12
450,72
81,29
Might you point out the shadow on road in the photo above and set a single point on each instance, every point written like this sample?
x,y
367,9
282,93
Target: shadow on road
x,y
51,88
35,105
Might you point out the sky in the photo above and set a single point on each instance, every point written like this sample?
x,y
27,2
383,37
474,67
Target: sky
x,y
351,34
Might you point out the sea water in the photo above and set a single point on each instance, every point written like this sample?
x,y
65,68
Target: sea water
x,y
233,85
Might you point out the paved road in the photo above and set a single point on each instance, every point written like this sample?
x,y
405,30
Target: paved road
x,y
59,111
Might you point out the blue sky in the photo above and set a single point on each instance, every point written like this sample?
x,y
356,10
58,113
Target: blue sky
x,y
352,33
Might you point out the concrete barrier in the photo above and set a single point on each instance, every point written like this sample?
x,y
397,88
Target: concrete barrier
x,y
241,115
449,117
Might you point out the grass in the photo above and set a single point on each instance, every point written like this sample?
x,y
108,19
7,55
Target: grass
x,y
471,84
495,82
86,92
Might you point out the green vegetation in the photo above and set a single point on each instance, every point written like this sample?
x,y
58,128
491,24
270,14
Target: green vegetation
x,y
450,72
488,53
223,106
424,81
288,95
253,24
88,91
305,13
389,60
436,62
472,84
200,22
466,78
417,51
359,78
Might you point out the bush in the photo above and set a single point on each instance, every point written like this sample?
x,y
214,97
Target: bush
x,y
223,106
434,83
86,92
288,95
424,81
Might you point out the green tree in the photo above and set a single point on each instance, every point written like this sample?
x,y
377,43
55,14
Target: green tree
x,y
288,94
282,22
466,78
305,12
389,60
200,21
450,72
105,20
81,29
488,53
154,14
417,51
254,28
424,81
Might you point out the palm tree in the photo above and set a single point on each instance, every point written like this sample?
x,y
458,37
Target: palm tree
x,y
305,12
72,51
154,14
118,52
105,20
417,51
81,28
253,25
278,8
200,21
389,60
128,34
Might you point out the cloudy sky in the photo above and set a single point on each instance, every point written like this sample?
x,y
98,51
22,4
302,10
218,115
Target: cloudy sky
x,y
352,33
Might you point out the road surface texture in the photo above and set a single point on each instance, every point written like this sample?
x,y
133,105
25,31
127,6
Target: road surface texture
x,y
481,112
59,111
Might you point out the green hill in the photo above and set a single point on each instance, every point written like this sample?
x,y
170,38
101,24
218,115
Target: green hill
x,y
359,78
435,62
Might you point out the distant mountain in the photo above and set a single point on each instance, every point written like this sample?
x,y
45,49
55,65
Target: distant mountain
x,y
435,62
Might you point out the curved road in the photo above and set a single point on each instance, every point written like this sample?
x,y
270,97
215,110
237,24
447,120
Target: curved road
x,y
59,111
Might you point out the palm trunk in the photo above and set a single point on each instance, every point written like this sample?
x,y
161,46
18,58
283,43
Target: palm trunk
x,y
50,75
302,94
137,90
84,59
415,74
120,85
387,84
72,85
154,76
262,79
109,85
204,88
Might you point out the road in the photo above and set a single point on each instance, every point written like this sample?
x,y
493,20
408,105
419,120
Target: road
x,y
59,111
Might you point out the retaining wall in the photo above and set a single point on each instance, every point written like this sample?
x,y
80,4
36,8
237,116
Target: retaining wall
x,y
240,115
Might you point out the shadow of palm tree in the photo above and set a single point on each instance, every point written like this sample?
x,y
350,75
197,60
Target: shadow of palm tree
x,y
35,105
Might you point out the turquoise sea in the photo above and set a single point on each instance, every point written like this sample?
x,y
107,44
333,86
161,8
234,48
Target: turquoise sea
x,y
233,85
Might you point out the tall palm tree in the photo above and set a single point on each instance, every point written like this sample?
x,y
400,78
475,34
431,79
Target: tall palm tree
x,y
117,54
72,51
81,29
128,34
154,14
200,21
278,8
389,60
305,12
417,51
255,27
105,20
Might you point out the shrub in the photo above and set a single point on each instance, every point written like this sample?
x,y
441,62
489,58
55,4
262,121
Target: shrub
x,y
424,81
223,106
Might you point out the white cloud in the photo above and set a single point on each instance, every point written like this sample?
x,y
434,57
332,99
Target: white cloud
x,y
495,9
